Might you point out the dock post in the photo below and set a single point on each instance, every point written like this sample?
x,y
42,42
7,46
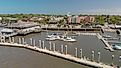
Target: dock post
x,y
50,43
40,43
34,43
76,52
43,44
93,55
81,53
99,57
66,49
23,41
54,47
19,40
31,41
12,39
62,49
112,59
3,39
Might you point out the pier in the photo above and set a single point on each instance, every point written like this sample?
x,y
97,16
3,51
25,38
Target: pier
x,y
89,34
52,51
73,29
105,42
114,42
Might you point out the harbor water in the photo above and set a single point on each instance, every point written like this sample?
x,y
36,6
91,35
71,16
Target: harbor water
x,y
23,58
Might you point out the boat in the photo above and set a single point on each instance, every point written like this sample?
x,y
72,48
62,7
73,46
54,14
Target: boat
x,y
68,39
106,36
8,32
53,36
116,46
50,39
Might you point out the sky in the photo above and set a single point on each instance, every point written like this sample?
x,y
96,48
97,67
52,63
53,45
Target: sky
x,y
61,6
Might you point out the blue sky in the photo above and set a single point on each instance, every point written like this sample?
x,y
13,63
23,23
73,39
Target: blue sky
x,y
61,6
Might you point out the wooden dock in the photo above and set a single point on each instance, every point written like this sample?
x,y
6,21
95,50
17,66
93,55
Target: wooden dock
x,y
58,54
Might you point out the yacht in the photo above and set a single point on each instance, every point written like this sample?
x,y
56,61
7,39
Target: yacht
x,y
68,39
8,32
106,36
50,39
53,36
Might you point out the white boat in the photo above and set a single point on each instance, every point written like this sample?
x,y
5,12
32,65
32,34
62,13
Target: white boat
x,y
116,46
106,36
50,39
53,36
8,32
68,39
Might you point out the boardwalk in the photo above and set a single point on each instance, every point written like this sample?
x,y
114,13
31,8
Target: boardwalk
x,y
42,48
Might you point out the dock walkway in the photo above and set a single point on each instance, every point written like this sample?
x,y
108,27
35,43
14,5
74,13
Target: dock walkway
x,y
105,42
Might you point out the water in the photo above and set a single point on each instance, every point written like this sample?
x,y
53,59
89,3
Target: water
x,y
23,58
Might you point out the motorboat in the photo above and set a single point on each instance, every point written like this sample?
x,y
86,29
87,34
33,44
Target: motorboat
x,y
53,36
68,39
50,39
106,36
116,46
8,32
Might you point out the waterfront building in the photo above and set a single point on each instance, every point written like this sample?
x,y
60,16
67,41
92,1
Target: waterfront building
x,y
24,27
80,19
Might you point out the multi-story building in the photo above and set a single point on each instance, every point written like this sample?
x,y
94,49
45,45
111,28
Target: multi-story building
x,y
81,19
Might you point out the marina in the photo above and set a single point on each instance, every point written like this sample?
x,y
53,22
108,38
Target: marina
x,y
43,49
60,37
48,47
60,34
